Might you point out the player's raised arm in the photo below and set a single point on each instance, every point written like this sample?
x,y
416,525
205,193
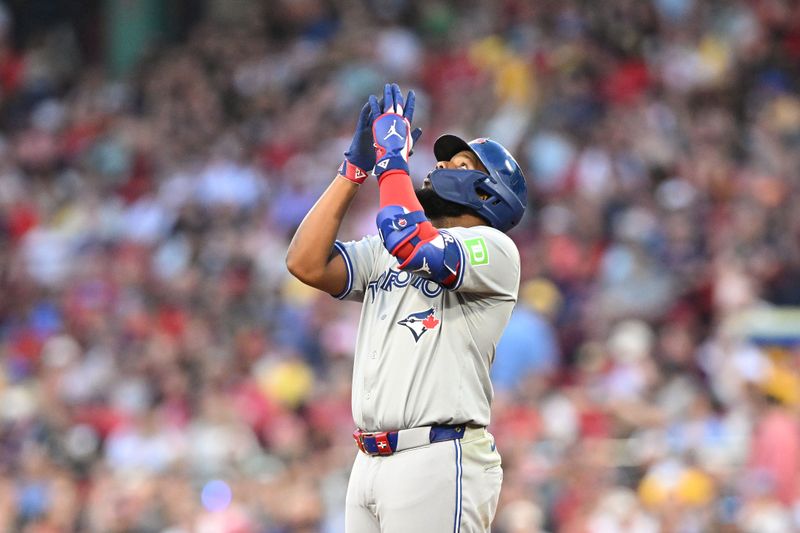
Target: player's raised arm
x,y
311,257
406,231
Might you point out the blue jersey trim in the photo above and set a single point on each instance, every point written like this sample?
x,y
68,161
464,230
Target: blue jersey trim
x,y
457,518
349,265
461,265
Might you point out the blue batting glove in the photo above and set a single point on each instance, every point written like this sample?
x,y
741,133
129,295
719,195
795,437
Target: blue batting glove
x,y
359,159
391,130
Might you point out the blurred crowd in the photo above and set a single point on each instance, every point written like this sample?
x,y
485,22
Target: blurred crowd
x,y
161,371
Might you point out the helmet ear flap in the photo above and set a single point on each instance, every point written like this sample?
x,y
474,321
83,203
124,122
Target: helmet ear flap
x,y
471,188
487,196
458,186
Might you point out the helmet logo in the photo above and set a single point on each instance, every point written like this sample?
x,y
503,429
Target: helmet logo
x,y
480,140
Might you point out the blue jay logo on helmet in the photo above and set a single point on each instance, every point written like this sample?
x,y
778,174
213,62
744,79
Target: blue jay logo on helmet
x,y
499,196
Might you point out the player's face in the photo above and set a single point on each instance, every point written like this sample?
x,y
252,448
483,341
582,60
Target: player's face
x,y
464,160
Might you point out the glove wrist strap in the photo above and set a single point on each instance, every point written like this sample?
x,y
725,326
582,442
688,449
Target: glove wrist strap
x,y
353,173
390,162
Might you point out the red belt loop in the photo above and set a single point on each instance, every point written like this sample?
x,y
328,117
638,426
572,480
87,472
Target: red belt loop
x,y
382,441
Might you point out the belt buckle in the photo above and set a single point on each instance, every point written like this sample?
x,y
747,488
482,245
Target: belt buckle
x,y
358,435
381,442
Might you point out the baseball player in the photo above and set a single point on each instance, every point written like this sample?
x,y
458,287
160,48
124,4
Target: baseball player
x,y
437,284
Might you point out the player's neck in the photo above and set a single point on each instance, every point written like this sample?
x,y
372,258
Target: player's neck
x,y
461,221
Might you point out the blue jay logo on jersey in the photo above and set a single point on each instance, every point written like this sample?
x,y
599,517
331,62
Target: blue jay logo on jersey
x,y
419,323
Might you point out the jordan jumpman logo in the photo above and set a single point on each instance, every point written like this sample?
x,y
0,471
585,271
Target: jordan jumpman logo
x,y
392,131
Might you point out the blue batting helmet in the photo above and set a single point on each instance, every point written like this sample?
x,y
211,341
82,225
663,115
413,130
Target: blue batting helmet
x,y
500,197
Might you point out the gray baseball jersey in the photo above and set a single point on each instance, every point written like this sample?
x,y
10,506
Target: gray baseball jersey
x,y
423,352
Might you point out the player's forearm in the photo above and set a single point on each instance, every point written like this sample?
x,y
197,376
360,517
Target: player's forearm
x,y
396,189
310,250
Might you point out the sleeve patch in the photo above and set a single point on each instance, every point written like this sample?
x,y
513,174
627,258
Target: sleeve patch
x,y
477,251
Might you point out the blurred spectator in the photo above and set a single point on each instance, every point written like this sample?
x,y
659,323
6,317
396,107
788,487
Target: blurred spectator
x,y
775,454
529,345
